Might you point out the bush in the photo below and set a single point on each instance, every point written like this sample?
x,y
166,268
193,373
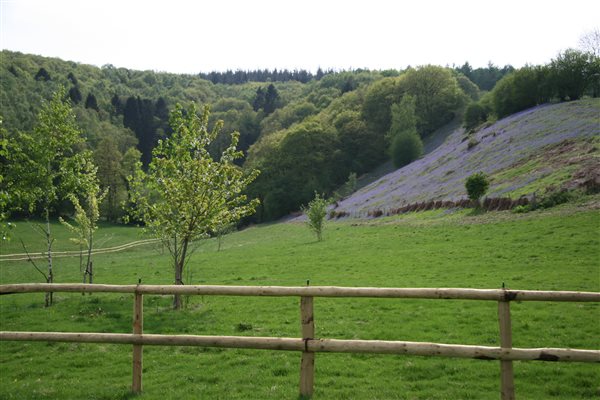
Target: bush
x,y
472,143
406,148
522,209
476,185
554,198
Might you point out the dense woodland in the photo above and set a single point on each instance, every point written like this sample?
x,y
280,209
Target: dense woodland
x,y
305,132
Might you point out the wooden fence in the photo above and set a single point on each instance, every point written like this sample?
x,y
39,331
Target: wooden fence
x,y
308,345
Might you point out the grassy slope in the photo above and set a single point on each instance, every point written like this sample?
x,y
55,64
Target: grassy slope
x,y
556,249
501,151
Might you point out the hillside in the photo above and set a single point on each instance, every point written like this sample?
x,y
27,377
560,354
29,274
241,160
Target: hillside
x,y
524,153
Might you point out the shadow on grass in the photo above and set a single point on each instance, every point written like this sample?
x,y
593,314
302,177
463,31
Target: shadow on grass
x,y
476,212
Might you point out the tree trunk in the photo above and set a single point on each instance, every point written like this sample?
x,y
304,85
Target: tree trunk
x,y
50,278
179,264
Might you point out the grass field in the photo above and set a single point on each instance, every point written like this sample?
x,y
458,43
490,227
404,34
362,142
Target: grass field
x,y
557,249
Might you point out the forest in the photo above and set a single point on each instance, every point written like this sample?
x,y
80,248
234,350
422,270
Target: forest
x,y
304,132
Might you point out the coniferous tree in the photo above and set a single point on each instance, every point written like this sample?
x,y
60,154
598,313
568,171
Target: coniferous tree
x,y
72,78
160,109
91,102
259,99
116,104
75,95
42,75
13,71
271,99
131,114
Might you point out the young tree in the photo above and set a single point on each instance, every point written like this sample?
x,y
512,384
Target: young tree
x,y
187,194
51,165
315,214
476,185
86,219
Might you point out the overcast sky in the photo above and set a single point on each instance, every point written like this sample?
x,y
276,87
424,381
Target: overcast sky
x,y
195,35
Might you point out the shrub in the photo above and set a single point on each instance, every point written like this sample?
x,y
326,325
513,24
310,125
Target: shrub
x,y
476,185
554,198
472,143
406,148
522,209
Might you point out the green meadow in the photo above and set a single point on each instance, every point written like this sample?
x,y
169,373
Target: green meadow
x,y
556,249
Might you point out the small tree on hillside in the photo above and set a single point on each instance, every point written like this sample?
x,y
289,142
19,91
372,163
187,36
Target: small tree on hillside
x,y
315,213
476,185
187,194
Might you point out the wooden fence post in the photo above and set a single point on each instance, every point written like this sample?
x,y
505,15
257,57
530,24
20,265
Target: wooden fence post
x,y
138,327
507,388
307,365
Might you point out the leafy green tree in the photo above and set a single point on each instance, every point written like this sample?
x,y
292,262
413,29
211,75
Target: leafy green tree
x,y
315,214
477,185
405,148
403,116
130,167
468,87
186,194
437,94
571,73
476,113
306,159
361,148
522,89
51,165
406,145
108,159
376,109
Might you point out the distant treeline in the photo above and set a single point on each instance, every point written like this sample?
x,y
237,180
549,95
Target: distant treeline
x,y
230,77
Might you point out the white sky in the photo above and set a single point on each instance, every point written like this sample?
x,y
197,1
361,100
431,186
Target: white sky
x,y
196,35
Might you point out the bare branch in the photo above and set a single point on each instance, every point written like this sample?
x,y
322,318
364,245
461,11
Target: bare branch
x,y
33,262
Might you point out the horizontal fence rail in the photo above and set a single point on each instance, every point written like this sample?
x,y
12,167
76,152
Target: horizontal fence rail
x,y
311,291
315,345
309,344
